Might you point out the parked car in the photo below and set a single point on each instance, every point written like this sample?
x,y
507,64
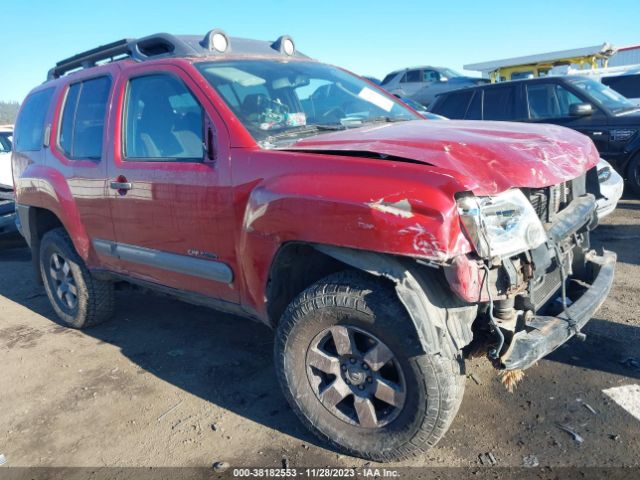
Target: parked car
x,y
588,106
421,109
6,137
611,188
422,84
242,175
7,206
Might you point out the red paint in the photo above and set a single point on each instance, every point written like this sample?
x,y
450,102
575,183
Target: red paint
x,y
249,202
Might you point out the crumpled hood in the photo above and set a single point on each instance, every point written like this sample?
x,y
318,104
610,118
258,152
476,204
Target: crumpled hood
x,y
487,157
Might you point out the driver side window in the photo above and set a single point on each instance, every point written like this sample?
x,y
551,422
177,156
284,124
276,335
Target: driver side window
x,y
163,120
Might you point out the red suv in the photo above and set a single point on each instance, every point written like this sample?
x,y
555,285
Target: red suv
x,y
380,247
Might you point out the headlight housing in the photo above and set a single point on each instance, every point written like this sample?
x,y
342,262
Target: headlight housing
x,y
502,225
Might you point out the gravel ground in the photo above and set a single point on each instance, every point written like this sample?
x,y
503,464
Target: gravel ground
x,y
170,384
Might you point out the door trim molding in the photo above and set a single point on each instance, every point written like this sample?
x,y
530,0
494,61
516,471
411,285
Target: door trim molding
x,y
195,267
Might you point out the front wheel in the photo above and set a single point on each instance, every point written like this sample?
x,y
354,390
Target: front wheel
x,y
351,367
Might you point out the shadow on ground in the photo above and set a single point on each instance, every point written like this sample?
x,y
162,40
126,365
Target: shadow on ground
x,y
221,358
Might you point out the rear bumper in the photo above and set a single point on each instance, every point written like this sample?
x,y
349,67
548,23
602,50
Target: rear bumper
x,y
543,334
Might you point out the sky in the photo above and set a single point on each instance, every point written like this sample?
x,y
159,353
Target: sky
x,y
367,37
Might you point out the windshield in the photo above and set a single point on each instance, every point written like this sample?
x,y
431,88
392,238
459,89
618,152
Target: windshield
x,y
603,95
447,72
282,101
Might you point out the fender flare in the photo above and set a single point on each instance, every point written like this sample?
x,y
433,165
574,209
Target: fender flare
x,y
441,321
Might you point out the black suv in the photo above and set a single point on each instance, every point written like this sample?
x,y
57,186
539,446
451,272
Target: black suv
x,y
580,103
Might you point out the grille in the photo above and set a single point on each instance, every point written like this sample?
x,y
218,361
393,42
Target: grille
x,y
550,200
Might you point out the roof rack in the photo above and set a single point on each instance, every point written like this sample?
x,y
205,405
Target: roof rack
x,y
215,42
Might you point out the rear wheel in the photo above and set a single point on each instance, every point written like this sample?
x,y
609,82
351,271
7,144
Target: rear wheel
x,y
352,369
79,299
633,174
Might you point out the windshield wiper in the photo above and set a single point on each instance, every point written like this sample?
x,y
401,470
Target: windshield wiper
x,y
385,119
311,128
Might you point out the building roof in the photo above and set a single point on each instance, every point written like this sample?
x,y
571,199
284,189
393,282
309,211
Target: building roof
x,y
604,50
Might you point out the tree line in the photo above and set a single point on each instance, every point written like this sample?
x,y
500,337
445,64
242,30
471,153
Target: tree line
x,y
8,112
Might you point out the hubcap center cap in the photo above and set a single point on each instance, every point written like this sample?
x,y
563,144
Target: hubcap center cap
x,y
355,375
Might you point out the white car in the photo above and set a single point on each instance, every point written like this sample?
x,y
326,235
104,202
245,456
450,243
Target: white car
x,y
6,142
611,187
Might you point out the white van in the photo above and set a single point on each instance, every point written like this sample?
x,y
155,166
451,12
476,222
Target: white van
x,y
6,142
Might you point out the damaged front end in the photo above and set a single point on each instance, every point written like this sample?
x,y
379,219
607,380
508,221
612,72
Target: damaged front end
x,y
534,275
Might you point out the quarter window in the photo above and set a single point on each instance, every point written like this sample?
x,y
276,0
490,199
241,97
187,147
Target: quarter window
x,y
29,132
163,120
83,118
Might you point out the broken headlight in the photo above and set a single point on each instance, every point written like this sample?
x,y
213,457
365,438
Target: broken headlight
x,y
502,225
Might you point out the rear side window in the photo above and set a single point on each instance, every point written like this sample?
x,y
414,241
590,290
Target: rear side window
x,y
499,103
474,112
454,105
29,132
83,118
626,85
388,78
163,120
412,76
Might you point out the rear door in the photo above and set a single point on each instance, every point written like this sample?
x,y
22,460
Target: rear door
x,y
503,103
411,82
549,102
171,205
77,148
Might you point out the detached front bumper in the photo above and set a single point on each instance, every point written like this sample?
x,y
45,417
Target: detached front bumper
x,y
543,334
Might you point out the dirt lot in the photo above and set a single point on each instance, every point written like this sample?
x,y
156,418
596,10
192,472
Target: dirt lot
x,y
146,388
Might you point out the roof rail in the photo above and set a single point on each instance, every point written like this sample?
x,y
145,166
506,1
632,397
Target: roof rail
x,y
215,42
138,49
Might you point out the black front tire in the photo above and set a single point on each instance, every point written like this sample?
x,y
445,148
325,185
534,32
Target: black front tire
x,y
633,174
79,299
433,384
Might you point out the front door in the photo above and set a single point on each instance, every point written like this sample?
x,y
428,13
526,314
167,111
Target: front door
x,y
168,199
550,103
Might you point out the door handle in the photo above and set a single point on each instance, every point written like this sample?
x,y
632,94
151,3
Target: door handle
x,y
121,185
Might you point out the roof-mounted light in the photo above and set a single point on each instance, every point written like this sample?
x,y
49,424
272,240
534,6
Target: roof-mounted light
x,y
284,44
216,40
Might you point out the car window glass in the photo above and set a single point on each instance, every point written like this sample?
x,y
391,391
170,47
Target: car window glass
x,y
5,142
549,100
412,76
29,131
163,120
388,78
499,103
83,118
627,85
454,105
430,76
474,112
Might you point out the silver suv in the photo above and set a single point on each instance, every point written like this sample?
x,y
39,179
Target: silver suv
x,y
422,84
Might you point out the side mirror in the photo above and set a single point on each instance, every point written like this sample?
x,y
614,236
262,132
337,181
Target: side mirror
x,y
209,142
580,109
